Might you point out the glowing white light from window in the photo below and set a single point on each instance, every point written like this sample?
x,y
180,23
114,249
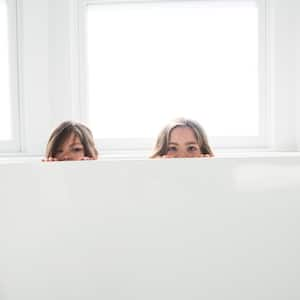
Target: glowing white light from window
x,y
151,62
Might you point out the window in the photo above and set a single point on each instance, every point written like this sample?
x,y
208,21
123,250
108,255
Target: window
x,y
68,61
5,113
8,112
149,62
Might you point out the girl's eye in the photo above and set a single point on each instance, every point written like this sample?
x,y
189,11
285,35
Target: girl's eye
x,y
192,148
59,151
77,149
172,149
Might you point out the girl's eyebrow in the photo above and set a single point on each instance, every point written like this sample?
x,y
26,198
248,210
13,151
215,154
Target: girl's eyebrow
x,y
191,143
75,144
187,143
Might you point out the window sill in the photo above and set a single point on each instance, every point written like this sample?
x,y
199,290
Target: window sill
x,y
144,155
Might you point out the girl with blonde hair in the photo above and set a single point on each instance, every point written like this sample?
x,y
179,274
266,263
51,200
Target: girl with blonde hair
x,y
182,138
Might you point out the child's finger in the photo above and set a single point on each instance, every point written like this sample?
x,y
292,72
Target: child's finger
x,y
206,155
49,159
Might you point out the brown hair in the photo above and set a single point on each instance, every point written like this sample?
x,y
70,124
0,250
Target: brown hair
x,y
161,146
63,131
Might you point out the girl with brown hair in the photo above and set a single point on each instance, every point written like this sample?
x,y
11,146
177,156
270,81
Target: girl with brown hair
x,y
71,141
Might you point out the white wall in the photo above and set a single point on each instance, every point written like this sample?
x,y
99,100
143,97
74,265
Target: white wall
x,y
284,28
34,68
297,49
155,229
46,73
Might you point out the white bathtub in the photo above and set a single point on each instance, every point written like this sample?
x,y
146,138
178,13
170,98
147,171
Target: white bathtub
x,y
209,229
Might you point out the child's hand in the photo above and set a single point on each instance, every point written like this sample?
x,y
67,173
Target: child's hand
x,y
200,156
49,159
206,155
87,158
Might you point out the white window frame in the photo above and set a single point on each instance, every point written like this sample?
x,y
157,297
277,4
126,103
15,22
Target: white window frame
x,y
13,145
48,78
262,142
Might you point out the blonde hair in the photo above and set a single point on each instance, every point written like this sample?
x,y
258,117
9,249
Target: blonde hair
x,y
63,131
162,142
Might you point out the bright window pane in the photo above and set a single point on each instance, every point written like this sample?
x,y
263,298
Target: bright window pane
x,y
151,62
5,111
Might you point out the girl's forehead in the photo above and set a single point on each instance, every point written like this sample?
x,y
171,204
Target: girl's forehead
x,y
180,132
72,138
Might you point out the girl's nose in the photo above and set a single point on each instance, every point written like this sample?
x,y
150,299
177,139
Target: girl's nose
x,y
182,154
65,156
